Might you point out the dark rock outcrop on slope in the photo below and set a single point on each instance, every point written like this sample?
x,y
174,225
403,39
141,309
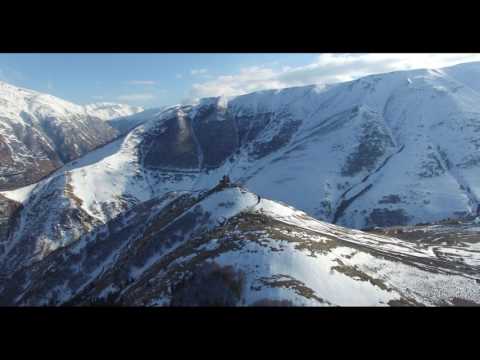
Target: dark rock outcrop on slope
x,y
227,247
8,211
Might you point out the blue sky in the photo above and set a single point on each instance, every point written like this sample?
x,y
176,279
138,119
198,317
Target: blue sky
x,y
152,80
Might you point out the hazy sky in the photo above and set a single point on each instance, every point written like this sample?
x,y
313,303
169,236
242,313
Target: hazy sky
x,y
152,80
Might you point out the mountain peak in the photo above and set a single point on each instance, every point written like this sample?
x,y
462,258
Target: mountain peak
x,y
152,218
229,247
39,132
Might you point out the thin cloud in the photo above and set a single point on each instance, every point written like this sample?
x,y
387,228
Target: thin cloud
x,y
141,82
326,69
198,71
138,97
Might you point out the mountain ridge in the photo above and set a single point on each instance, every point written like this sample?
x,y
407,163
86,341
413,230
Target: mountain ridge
x,y
229,247
384,150
40,132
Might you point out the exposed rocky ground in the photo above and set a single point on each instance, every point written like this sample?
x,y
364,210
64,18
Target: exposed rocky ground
x,y
387,150
8,211
228,247
455,241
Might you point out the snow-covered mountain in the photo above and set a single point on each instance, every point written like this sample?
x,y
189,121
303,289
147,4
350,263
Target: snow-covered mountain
x,y
389,149
109,111
126,123
229,247
40,132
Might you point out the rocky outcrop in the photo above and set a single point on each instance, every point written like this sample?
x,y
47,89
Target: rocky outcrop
x,y
225,247
8,211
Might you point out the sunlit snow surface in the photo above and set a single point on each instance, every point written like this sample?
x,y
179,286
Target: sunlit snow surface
x,y
349,268
427,124
400,266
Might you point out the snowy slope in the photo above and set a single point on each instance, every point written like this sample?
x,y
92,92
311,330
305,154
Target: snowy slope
x,y
40,132
78,197
389,149
128,122
229,247
108,111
